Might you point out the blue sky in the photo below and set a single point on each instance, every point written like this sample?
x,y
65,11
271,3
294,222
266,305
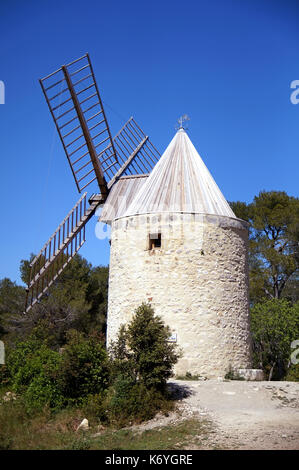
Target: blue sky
x,y
228,64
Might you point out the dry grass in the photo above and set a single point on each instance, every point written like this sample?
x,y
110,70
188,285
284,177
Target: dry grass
x,y
43,431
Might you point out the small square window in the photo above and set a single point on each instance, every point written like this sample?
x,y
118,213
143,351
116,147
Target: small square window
x,y
154,241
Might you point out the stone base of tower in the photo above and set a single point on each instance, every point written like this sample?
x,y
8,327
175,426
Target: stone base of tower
x,y
197,281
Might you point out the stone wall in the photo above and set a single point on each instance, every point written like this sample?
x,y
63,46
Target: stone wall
x,y
197,281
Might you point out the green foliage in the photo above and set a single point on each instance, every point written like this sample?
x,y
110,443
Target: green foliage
x,y
293,373
20,430
30,359
76,300
97,297
81,374
84,369
12,301
274,237
143,351
134,402
241,210
274,325
141,362
81,443
25,268
33,369
47,377
95,406
4,375
188,376
152,354
43,392
122,361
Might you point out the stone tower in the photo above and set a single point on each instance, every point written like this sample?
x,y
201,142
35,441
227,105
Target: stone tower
x,y
176,243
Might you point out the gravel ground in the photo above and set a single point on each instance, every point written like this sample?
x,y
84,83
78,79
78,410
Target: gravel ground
x,y
243,415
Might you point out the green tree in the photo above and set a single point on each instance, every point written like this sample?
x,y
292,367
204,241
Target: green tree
x,y
274,325
43,376
32,371
84,369
97,297
76,300
143,346
25,268
12,301
273,244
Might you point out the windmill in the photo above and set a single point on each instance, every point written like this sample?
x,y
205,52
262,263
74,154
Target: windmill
x,y
76,107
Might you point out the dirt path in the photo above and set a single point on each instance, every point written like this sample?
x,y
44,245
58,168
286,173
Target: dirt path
x,y
243,415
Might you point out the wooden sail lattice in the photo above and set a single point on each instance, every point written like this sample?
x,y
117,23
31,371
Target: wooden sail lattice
x,y
74,101
75,104
59,249
136,153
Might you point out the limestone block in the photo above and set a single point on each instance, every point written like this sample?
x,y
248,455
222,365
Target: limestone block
x,y
251,374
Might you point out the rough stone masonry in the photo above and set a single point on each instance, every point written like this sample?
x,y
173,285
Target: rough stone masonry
x,y
197,281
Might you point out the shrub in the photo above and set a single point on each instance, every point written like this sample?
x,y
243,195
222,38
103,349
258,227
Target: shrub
x,y
4,375
46,377
81,443
33,369
190,376
142,351
293,373
122,361
95,407
134,402
274,325
41,392
85,368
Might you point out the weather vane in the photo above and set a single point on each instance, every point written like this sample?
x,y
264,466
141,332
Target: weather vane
x,y
183,119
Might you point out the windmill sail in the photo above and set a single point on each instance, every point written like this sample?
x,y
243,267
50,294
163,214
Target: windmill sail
x,y
136,154
76,107
74,101
59,249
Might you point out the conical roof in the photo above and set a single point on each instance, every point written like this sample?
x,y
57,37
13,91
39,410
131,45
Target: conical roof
x,y
180,182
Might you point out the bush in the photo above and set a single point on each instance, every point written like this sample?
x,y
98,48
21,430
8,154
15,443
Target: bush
x,y
142,351
134,402
33,370
129,387
95,407
274,325
293,373
4,375
81,443
47,377
25,368
85,368
41,392
141,362
190,376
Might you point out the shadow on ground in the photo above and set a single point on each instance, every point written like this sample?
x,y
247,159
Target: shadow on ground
x,y
179,391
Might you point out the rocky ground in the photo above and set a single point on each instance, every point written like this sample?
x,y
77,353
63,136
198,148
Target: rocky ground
x,y
241,415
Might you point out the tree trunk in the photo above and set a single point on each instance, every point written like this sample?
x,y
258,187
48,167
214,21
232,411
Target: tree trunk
x,y
271,372
276,287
